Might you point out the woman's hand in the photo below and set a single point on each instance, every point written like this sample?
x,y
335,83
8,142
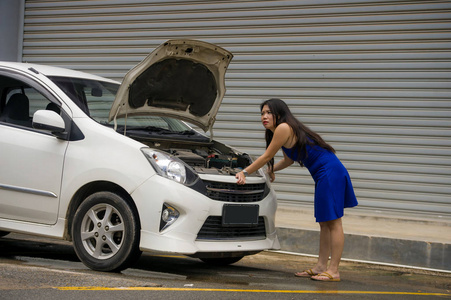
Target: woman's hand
x,y
271,175
241,179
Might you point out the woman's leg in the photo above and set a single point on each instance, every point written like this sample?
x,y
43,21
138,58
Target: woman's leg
x,y
324,246
335,244
337,239
324,252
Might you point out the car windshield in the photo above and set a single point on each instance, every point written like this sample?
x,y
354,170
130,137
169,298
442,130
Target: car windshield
x,y
95,98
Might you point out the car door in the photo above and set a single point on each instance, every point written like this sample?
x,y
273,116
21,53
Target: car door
x,y
31,160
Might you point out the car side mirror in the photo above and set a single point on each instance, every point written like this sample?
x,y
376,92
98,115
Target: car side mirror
x,y
49,120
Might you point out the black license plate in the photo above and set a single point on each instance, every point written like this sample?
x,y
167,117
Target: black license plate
x,y
240,215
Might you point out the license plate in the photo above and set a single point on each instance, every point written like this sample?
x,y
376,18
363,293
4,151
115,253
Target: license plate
x,y
240,215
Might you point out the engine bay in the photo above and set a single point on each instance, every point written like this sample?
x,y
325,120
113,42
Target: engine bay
x,y
204,157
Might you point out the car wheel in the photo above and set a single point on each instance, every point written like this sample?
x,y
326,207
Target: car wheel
x,y
3,233
221,261
105,232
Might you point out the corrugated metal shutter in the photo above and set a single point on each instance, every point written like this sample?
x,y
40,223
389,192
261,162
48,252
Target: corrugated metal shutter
x,y
373,77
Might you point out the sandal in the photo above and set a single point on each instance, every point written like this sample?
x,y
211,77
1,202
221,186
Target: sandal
x,y
324,277
308,273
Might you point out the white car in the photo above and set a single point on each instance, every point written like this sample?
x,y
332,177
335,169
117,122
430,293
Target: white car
x,y
113,168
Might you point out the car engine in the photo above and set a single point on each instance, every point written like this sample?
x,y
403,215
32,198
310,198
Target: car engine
x,y
205,157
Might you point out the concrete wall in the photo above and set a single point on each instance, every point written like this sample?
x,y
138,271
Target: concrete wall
x,y
11,29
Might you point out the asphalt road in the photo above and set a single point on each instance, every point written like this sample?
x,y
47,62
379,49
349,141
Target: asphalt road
x,y
38,268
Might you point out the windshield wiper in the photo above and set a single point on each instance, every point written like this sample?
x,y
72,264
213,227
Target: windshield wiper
x,y
187,132
160,130
155,129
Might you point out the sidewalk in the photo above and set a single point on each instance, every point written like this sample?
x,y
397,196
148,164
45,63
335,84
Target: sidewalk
x,y
371,236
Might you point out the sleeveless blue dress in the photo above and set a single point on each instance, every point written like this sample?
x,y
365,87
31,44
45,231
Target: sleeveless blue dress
x,y
333,187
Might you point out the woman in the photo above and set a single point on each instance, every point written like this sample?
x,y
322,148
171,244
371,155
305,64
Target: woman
x,y
333,187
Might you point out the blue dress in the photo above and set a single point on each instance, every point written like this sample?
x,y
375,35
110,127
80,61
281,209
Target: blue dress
x,y
333,187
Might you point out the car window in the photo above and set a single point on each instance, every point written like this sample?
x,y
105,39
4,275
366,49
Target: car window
x,y
99,101
95,98
21,101
143,121
37,100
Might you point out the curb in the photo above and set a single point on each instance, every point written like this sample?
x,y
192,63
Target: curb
x,y
371,248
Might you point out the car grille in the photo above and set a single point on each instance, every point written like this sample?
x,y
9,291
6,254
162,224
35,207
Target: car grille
x,y
231,192
213,230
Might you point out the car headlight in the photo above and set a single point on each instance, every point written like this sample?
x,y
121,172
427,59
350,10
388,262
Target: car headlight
x,y
170,167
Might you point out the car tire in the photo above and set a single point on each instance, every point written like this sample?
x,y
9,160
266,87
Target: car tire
x,y
105,232
221,261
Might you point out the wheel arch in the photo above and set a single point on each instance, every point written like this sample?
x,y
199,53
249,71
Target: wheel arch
x,y
89,189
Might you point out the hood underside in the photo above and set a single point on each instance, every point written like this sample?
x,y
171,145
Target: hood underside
x,y
184,79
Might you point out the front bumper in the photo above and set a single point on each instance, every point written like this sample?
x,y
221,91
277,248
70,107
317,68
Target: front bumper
x,y
194,208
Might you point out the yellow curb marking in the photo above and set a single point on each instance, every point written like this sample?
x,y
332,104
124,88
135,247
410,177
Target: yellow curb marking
x,y
242,291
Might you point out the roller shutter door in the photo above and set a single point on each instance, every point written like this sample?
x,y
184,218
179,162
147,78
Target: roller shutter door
x,y
373,77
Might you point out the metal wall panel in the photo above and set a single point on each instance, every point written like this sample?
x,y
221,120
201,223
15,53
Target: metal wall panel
x,y
373,77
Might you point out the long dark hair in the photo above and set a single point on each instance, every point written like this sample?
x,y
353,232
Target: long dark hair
x,y
304,135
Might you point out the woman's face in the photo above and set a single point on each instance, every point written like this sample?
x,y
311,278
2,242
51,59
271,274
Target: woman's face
x,y
268,119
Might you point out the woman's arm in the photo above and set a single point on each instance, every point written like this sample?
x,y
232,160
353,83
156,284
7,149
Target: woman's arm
x,y
282,164
281,135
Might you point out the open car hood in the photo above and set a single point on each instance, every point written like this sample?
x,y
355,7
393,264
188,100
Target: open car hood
x,y
183,79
